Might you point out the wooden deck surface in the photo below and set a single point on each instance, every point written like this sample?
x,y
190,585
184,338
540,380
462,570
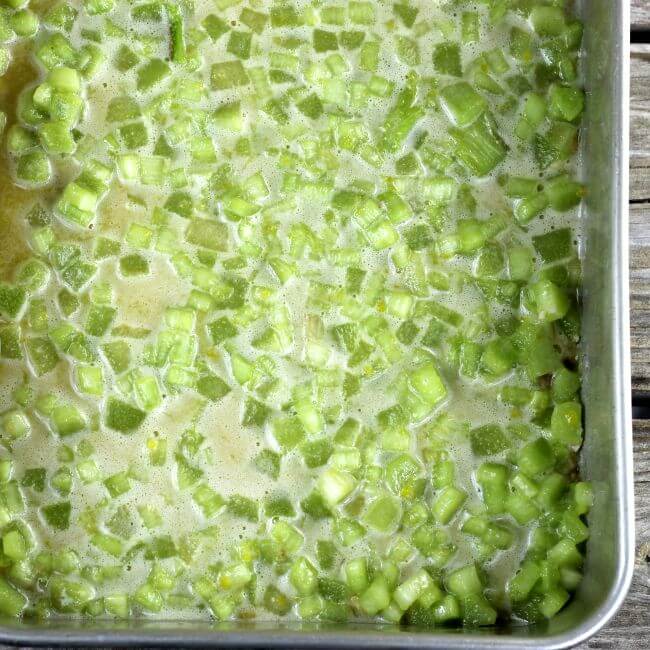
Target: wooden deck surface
x,y
640,14
640,215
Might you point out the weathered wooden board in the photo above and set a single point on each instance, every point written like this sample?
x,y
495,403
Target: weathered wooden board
x,y
640,167
640,215
631,627
640,296
640,17
640,121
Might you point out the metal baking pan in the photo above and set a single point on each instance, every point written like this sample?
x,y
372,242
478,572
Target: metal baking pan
x,y
606,458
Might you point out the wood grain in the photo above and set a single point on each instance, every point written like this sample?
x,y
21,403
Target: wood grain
x,y
640,216
640,297
640,121
640,18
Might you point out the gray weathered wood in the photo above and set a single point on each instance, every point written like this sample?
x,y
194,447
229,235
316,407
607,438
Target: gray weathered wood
x,y
640,295
640,216
640,122
640,18
640,168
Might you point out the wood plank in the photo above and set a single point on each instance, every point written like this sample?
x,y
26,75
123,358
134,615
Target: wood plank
x,y
640,216
640,18
640,172
639,75
640,122
640,296
630,628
